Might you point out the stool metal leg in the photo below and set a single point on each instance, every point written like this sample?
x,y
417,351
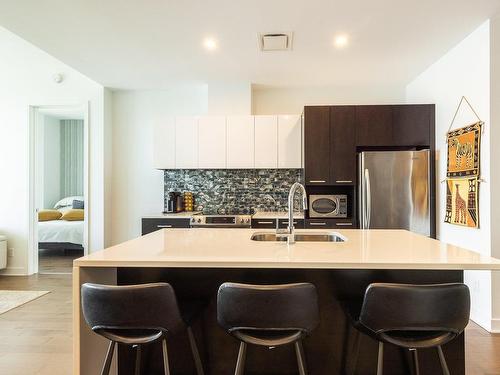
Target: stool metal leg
x,y
380,359
444,366
240,363
301,361
196,353
138,360
109,357
414,353
166,368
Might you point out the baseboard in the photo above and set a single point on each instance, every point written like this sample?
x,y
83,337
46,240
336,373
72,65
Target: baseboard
x,y
14,271
495,326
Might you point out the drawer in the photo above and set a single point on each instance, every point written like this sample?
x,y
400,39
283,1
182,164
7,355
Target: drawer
x,y
329,223
152,225
264,223
297,223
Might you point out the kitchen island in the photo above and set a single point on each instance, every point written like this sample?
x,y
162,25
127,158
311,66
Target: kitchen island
x,y
197,261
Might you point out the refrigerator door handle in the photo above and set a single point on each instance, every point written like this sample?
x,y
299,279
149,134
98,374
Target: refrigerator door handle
x,y
368,199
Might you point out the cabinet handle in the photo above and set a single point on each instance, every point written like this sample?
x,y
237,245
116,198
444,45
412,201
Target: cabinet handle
x,y
343,181
343,224
317,181
265,222
164,226
286,222
317,223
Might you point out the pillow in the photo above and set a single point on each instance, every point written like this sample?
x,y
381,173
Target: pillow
x,y
47,215
68,201
78,204
73,215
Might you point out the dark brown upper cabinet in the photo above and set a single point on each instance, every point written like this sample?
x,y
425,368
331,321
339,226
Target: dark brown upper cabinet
x,y
343,145
317,145
374,125
412,125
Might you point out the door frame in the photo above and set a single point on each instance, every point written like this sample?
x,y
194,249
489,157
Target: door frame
x,y
33,112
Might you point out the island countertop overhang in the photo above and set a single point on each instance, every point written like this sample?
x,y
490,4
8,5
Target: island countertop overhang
x,y
233,248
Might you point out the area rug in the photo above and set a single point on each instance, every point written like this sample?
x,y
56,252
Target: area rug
x,y
10,299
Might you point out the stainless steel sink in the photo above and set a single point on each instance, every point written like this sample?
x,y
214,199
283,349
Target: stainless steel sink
x,y
300,237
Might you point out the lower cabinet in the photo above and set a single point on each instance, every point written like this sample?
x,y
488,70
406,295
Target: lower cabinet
x,y
153,224
329,223
271,223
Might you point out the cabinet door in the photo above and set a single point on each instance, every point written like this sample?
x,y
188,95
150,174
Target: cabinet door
x,y
186,142
266,141
240,142
212,142
289,141
164,144
317,145
374,125
411,125
264,223
150,225
343,145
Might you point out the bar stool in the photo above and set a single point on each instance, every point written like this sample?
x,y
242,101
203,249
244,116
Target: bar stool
x,y
413,317
135,315
268,315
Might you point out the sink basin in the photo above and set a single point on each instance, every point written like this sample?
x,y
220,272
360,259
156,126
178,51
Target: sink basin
x,y
300,237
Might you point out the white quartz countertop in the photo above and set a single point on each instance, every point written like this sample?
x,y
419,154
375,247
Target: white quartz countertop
x,y
176,215
276,215
233,248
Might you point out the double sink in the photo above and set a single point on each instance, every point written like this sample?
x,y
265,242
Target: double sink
x,y
299,237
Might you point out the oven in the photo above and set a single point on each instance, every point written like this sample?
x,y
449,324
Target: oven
x,y
331,205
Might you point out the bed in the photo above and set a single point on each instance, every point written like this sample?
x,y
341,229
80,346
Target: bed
x,y
60,234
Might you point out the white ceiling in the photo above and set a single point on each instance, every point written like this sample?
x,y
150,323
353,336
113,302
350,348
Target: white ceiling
x,y
147,44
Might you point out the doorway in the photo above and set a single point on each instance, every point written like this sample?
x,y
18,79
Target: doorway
x,y
58,187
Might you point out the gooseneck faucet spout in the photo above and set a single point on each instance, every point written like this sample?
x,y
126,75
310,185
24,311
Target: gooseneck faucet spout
x,y
291,228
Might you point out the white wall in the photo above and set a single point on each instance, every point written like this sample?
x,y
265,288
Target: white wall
x,y
138,187
495,157
284,100
26,79
229,98
464,70
51,161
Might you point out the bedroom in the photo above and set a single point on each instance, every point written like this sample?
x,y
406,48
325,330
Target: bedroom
x,y
59,187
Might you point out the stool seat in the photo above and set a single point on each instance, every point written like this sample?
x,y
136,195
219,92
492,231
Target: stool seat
x,y
130,336
268,315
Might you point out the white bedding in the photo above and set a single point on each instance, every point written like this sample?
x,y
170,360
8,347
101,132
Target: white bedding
x,y
61,231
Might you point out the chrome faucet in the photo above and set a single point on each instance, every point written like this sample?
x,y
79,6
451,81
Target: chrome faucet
x,y
291,194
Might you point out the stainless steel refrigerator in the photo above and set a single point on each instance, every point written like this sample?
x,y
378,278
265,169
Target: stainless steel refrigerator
x,y
394,190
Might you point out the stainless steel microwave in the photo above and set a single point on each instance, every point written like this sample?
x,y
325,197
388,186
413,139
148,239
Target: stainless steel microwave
x,y
332,205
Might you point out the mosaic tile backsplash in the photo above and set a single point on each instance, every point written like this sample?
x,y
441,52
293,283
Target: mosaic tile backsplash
x,y
230,191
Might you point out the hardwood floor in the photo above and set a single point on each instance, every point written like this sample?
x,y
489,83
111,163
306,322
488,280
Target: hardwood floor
x,y
57,261
36,338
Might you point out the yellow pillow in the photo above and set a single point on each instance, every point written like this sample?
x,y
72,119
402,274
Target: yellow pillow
x,y
47,215
73,215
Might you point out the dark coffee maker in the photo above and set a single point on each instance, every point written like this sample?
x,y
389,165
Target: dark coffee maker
x,y
174,202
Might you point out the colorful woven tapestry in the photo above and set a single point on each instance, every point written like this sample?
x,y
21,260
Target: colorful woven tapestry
x,y
462,202
463,151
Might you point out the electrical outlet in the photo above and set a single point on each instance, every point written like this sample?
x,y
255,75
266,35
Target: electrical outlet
x,y
10,252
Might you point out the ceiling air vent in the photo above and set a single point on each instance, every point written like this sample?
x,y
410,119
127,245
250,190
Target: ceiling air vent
x,y
275,41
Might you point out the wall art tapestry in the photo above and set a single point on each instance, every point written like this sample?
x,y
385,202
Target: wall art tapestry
x,y
462,202
464,151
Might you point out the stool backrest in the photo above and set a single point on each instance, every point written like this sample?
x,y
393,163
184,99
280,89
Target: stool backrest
x,y
280,307
146,306
406,307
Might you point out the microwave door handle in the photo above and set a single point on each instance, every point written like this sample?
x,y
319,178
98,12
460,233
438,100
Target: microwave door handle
x,y
368,199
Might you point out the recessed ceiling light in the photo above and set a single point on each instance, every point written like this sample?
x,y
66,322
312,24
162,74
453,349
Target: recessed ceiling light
x,y
210,44
341,41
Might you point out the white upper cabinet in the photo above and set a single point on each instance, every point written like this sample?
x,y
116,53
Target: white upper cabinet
x,y
186,142
240,142
164,144
266,141
289,141
212,142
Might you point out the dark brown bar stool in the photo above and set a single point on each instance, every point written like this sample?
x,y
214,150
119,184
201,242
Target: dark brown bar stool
x,y
268,315
413,317
135,315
